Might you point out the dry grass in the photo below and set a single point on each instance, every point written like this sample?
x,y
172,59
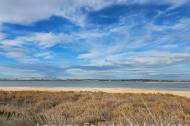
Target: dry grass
x,y
30,108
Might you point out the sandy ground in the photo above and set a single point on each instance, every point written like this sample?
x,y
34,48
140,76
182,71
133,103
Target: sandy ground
x,y
108,90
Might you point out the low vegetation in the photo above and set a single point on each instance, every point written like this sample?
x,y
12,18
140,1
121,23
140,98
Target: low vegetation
x,y
61,108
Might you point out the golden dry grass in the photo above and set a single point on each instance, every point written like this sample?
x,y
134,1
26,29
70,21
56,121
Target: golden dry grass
x,y
28,108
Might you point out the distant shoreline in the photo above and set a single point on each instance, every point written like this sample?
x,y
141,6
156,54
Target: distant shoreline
x,y
127,80
107,90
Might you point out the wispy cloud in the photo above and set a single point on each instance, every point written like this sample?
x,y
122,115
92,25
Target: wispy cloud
x,y
2,36
35,10
108,39
17,72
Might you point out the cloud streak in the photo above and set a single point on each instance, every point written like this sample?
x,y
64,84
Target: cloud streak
x,y
105,39
35,10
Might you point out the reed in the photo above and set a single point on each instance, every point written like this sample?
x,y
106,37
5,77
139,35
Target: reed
x,y
29,108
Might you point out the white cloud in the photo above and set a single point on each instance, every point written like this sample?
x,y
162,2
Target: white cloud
x,y
183,25
118,51
44,55
88,55
149,58
20,54
169,46
114,45
174,2
2,36
11,72
17,48
99,52
44,40
29,11
49,39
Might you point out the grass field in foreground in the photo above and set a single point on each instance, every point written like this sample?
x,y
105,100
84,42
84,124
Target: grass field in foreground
x,y
29,108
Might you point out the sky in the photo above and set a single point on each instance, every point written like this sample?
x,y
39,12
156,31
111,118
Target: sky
x,y
105,39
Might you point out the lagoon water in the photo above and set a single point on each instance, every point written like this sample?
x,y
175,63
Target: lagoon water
x,y
176,86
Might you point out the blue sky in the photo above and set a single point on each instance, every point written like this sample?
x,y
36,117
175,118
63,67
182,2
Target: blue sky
x,y
116,39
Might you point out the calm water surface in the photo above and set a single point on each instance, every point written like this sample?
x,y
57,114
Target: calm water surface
x,y
100,84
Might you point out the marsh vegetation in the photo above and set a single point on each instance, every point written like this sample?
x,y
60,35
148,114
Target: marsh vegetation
x,y
29,108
